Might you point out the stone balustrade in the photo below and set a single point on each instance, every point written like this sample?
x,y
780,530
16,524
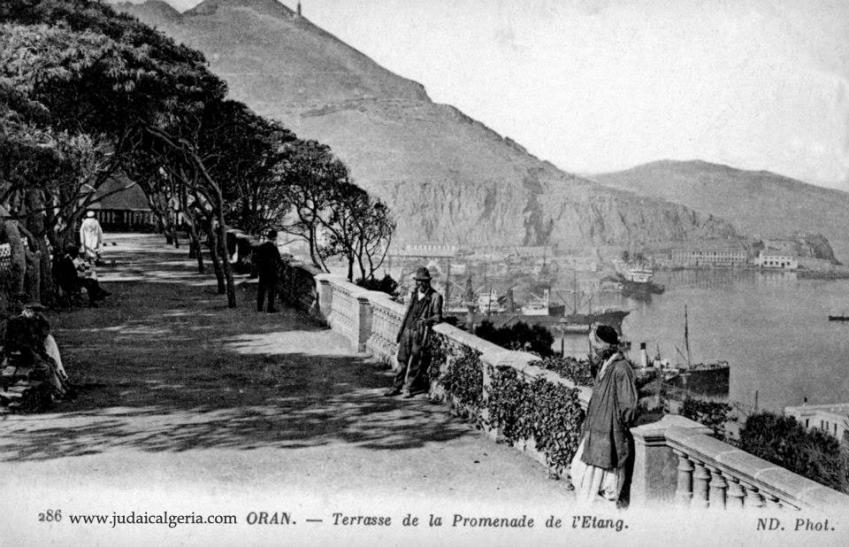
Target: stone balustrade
x,y
679,461
386,317
676,460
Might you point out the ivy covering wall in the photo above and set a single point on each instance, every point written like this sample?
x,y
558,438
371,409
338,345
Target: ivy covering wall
x,y
547,414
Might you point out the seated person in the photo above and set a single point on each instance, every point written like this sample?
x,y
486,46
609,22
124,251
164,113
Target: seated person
x,y
28,343
73,273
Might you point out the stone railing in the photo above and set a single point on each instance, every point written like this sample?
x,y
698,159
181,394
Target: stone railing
x,y
676,460
679,461
386,317
494,357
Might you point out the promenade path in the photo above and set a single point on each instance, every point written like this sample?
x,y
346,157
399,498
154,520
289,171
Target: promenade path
x,y
186,405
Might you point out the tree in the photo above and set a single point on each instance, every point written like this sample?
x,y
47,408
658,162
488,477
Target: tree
x,y
520,336
783,441
104,74
310,179
361,229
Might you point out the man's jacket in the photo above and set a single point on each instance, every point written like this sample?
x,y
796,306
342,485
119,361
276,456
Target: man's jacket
x,y
610,413
266,259
431,315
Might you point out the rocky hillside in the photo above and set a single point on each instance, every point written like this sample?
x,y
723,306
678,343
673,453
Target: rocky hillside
x,y
448,178
759,203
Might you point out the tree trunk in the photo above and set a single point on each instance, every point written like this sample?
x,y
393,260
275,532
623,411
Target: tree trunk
x,y
212,243
225,263
18,266
36,221
195,247
32,278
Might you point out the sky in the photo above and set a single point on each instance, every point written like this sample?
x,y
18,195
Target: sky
x,y
601,85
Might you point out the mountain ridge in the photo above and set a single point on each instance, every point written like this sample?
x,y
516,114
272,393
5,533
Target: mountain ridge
x,y
447,177
760,203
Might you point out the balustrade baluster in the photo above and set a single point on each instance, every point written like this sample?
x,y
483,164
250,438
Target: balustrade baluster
x,y
753,499
735,494
684,490
701,476
773,503
717,488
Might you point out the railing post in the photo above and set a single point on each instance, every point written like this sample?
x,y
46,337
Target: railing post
x,y
325,296
735,494
773,503
753,499
684,489
701,476
658,476
362,319
717,488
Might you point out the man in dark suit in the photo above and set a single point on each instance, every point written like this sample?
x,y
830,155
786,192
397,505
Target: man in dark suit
x,y
267,262
423,311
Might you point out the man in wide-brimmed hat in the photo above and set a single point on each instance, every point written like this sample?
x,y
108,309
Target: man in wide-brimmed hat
x,y
598,468
423,311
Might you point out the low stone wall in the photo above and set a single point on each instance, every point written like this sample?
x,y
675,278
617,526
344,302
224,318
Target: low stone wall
x,y
676,460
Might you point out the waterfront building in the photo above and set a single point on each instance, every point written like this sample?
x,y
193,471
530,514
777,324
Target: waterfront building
x,y
773,261
832,419
694,258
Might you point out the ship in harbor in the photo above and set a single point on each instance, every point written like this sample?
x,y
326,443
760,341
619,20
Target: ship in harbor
x,y
708,378
636,278
539,309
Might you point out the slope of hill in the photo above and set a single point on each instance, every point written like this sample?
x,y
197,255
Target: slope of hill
x,y
757,202
448,178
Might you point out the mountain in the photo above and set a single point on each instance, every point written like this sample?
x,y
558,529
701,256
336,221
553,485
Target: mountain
x,y
448,178
760,203
155,13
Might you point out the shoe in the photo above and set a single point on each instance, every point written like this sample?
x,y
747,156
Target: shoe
x,y
408,395
392,392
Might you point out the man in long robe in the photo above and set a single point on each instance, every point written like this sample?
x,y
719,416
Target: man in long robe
x,y
598,467
91,237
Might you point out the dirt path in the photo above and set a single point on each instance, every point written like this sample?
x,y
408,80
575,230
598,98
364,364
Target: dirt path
x,y
185,401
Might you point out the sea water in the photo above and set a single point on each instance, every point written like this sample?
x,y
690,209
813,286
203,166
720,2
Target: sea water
x,y
772,327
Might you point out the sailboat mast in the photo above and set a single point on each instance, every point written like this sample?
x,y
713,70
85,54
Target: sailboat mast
x,y
575,292
686,336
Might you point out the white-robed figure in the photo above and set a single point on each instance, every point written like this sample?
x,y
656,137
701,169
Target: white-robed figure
x,y
91,237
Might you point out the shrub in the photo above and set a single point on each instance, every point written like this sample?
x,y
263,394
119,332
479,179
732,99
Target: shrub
x,y
518,336
714,415
578,372
811,453
548,413
387,284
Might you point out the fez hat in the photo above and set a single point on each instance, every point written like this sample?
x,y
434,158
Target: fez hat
x,y
422,274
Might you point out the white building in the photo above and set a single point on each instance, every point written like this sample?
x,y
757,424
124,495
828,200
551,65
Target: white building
x,y
776,261
694,258
831,419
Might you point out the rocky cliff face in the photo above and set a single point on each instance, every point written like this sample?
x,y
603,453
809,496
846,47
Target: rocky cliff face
x,y
448,178
763,204
803,245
